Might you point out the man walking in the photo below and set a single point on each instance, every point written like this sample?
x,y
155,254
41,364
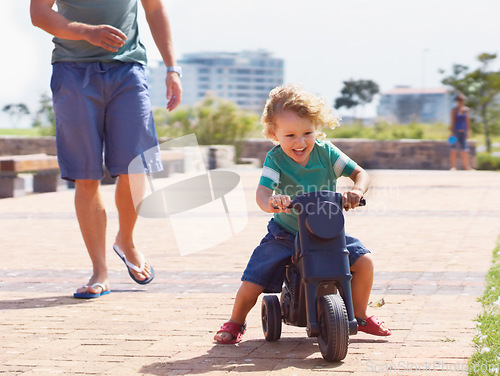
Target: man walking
x,y
102,108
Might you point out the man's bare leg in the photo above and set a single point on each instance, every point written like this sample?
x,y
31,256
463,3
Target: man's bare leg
x,y
127,217
92,219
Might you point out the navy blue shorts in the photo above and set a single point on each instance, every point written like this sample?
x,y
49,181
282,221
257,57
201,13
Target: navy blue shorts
x,y
461,143
267,265
101,109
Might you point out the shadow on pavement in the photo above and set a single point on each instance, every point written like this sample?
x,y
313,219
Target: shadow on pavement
x,y
41,302
247,357
367,340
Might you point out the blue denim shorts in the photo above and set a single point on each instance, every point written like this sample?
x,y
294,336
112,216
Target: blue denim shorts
x,y
101,109
268,262
461,143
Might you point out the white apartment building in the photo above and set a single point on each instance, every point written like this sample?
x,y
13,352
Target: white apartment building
x,y
404,105
244,77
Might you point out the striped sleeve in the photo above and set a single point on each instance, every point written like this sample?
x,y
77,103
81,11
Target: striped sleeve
x,y
342,164
270,177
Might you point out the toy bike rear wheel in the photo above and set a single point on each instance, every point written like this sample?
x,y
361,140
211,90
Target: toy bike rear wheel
x,y
334,328
271,317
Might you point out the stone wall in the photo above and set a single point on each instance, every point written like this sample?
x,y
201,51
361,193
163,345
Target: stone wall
x,y
374,154
12,145
370,154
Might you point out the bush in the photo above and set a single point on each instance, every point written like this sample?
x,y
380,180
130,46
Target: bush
x,y
215,121
347,131
386,131
486,161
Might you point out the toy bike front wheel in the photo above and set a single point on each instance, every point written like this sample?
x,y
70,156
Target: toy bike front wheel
x,y
271,317
334,328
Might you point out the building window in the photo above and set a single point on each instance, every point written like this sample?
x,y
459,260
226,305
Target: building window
x,y
243,71
203,70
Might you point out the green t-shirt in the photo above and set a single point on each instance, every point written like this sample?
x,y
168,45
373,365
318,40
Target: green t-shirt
x,y
121,14
286,177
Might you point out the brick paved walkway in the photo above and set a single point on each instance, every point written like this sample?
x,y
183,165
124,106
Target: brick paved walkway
x,y
431,234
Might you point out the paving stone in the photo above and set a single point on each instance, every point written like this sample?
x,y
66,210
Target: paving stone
x,y
431,255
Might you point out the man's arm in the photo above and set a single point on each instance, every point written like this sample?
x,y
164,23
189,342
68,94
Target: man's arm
x,y
44,17
158,22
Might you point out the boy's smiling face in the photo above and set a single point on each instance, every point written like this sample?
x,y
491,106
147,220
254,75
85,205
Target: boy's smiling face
x,y
296,135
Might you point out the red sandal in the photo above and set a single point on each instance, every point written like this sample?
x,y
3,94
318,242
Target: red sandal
x,y
373,325
236,330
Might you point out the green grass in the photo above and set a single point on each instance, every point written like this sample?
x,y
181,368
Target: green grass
x,y
486,161
24,132
386,131
486,358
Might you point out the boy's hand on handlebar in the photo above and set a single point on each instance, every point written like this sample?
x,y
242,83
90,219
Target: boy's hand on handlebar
x,y
279,203
352,198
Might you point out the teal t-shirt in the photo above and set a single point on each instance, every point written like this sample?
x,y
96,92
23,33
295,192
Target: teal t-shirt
x,y
121,14
286,177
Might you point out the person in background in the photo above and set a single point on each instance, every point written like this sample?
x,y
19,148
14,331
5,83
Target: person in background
x,y
460,129
102,107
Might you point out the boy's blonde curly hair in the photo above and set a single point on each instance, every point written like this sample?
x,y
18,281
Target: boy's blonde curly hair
x,y
306,105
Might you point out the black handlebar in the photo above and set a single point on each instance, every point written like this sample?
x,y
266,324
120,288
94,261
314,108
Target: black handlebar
x,y
362,202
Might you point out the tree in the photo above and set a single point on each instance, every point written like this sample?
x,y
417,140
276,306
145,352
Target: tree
x,y
16,111
45,115
215,121
482,89
356,93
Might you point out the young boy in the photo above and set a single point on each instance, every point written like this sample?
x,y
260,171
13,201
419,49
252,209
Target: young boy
x,y
299,163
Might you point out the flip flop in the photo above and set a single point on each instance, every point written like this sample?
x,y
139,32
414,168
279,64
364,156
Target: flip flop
x,y
372,325
89,295
139,269
235,330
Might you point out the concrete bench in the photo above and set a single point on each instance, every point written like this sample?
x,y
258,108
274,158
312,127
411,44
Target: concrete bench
x,y
173,162
44,167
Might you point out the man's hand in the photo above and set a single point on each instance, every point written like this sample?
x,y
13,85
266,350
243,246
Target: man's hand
x,y
174,90
105,36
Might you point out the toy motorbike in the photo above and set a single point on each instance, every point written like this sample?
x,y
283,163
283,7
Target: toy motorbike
x,y
317,290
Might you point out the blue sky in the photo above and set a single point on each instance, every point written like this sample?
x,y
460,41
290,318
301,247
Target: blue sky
x,y
323,42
